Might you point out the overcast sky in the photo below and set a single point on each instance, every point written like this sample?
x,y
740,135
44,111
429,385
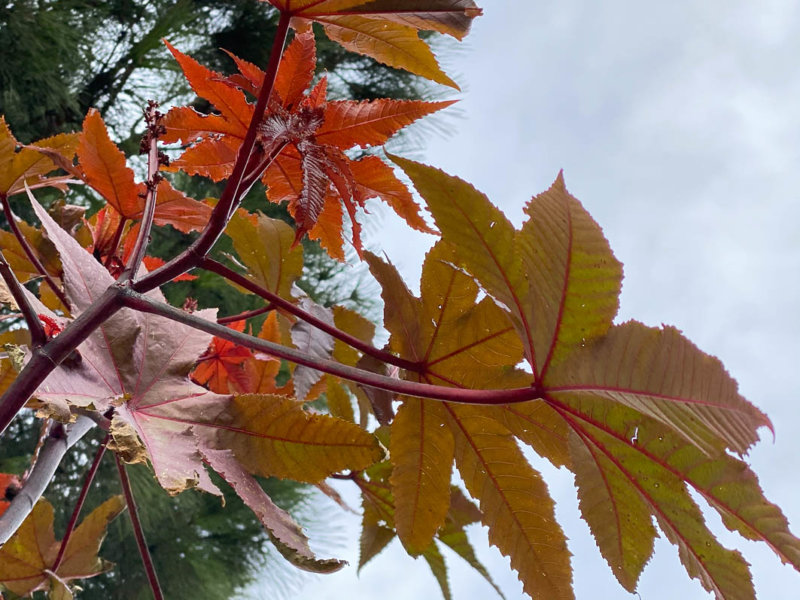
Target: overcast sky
x,y
677,125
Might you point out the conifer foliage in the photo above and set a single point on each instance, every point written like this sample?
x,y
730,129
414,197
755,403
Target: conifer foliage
x,y
512,340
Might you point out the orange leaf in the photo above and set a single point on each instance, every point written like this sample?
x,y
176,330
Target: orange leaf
x,y
296,69
211,157
372,122
105,168
185,124
374,178
175,208
209,84
221,367
328,229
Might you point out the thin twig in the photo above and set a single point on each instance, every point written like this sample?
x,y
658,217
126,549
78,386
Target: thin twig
x,y
236,186
145,304
138,532
60,440
245,315
285,305
153,119
26,247
73,520
38,335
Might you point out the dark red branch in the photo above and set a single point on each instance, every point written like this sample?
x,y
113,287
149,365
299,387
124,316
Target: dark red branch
x,y
73,520
145,304
38,335
26,247
45,358
285,305
235,188
245,315
138,532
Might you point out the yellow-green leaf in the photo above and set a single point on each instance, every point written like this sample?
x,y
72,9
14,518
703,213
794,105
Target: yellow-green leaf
x,y
482,237
573,275
265,247
422,455
273,436
392,44
660,373
28,558
515,503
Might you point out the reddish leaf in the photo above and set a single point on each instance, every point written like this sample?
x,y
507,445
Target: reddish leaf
x,y
105,168
138,363
221,368
371,123
296,69
209,84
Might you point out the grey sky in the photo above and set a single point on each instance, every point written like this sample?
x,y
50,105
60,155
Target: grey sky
x,y
678,126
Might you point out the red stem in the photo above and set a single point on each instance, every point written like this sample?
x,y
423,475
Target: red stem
x,y
141,542
73,520
145,304
149,213
234,188
38,335
116,240
26,247
245,315
278,302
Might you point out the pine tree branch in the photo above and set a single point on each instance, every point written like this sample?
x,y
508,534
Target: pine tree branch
x,y
60,439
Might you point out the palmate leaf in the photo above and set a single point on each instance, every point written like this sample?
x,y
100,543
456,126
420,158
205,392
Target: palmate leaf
x,y
622,446
138,364
386,30
638,413
27,559
457,340
580,284
311,173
